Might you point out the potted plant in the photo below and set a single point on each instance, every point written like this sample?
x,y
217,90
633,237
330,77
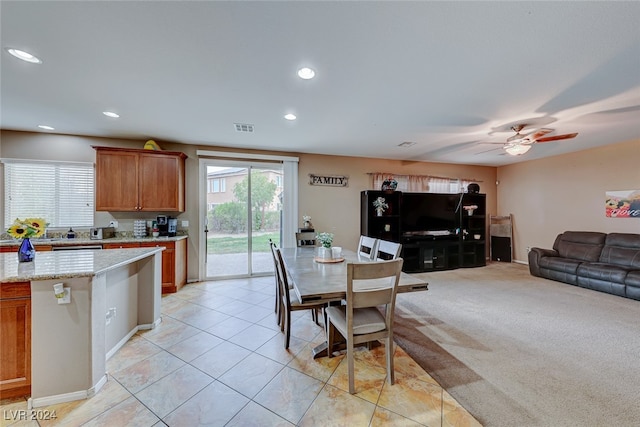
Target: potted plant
x,y
306,222
470,208
326,240
380,204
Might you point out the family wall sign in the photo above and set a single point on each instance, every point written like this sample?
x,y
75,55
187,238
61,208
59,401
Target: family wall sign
x,y
329,180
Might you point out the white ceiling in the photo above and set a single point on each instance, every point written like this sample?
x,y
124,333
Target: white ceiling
x,y
449,76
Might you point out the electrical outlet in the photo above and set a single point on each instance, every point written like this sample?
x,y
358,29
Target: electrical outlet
x,y
111,314
528,249
66,299
185,224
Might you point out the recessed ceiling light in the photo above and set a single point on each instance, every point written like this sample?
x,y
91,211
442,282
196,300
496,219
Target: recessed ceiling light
x,y
111,114
306,73
45,127
25,56
290,116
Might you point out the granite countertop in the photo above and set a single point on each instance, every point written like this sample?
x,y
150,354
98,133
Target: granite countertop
x,y
68,264
87,241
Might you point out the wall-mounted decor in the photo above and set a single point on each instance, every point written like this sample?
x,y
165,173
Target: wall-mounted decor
x,y
329,180
622,204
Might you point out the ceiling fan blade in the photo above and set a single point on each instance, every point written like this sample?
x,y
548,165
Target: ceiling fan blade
x,y
557,137
491,143
540,133
488,151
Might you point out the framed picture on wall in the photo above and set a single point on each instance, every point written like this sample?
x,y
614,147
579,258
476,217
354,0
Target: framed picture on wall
x,y
622,204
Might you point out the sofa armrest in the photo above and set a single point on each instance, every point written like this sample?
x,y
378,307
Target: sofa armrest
x,y
534,259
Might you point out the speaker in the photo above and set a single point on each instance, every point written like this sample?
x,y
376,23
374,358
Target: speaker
x,y
500,249
473,188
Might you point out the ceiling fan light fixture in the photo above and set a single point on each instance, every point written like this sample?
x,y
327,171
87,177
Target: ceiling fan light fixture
x,y
517,149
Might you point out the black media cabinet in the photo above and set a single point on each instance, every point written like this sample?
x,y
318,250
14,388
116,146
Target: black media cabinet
x,y
437,231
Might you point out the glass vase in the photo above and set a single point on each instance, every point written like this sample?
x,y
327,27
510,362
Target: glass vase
x,y
26,251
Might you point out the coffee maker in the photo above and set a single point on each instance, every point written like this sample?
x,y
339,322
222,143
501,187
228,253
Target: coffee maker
x,y
167,226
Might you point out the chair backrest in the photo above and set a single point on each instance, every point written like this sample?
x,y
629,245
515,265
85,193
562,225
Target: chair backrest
x,y
387,250
367,247
273,246
283,280
379,288
306,238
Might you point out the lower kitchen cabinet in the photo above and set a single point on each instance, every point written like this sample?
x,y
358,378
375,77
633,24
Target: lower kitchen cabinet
x,y
174,261
15,330
42,248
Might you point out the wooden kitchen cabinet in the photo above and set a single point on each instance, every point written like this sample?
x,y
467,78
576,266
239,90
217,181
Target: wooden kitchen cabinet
x,y
120,245
139,180
43,248
15,333
174,261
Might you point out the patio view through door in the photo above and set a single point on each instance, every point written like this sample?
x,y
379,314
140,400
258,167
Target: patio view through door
x,y
243,211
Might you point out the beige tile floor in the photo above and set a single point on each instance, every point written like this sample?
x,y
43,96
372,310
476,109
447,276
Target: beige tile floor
x,y
217,359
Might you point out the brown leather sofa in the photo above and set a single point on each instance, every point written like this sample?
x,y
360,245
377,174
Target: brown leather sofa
x,y
599,261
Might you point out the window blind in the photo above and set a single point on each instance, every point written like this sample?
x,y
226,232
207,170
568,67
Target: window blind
x,y
61,193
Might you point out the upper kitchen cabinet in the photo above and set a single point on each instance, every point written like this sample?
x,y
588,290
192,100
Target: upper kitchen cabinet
x,y
139,180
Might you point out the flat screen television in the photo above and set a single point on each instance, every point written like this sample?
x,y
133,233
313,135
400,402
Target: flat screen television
x,y
428,212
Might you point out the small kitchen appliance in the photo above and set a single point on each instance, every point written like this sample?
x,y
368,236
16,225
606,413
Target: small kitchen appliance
x,y
99,233
167,226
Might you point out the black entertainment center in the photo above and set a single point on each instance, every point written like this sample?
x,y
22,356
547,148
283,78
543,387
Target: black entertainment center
x,y
438,231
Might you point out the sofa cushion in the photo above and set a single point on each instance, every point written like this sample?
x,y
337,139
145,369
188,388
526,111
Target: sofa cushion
x,y
633,279
633,284
564,265
580,245
606,272
622,249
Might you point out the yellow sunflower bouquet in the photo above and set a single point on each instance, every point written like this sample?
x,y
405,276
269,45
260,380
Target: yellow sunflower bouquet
x,y
27,228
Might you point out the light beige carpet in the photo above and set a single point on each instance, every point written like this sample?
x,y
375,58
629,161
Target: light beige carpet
x,y
517,350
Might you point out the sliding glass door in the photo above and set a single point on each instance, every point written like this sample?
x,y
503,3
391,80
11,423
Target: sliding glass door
x,y
243,211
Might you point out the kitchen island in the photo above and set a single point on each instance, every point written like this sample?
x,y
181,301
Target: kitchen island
x,y
58,352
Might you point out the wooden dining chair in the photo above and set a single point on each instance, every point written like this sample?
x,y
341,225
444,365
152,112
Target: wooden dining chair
x,y
367,247
290,301
278,299
360,320
305,238
387,250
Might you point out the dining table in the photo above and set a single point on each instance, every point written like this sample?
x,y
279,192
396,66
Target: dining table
x,y
322,280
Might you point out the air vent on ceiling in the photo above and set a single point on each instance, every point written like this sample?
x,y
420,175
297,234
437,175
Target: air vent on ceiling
x,y
243,127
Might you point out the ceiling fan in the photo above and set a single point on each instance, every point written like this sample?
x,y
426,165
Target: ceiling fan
x,y
519,144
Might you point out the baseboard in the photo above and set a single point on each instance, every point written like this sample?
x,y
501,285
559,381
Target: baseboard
x,y
66,397
126,338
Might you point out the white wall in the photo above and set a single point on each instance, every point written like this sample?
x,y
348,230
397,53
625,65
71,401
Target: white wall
x,y
567,192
